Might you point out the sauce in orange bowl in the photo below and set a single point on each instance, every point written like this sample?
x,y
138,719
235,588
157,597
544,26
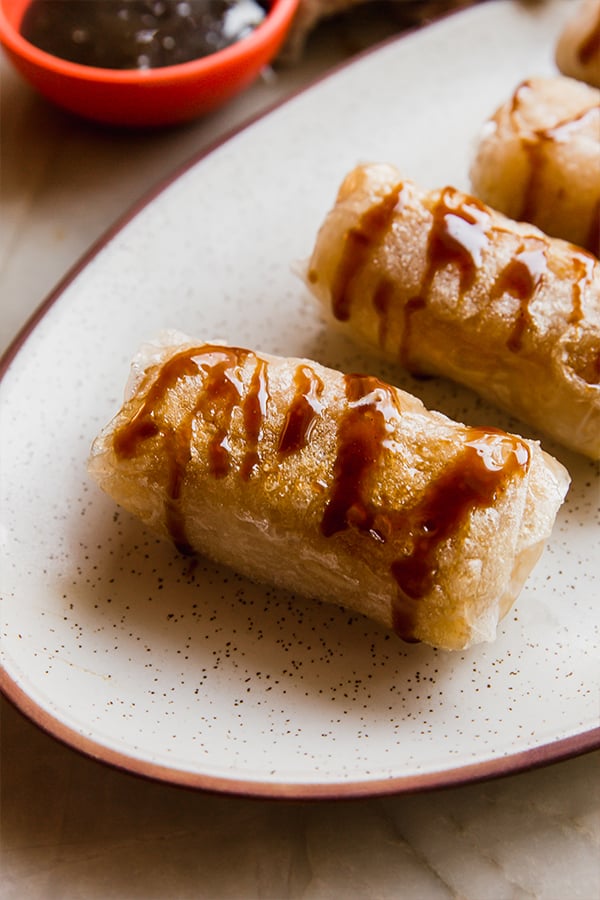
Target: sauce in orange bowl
x,y
142,62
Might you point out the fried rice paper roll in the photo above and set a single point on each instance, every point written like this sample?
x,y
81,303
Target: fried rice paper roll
x,y
538,159
335,486
578,45
444,285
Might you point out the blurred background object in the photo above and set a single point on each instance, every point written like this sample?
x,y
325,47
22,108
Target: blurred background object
x,y
404,13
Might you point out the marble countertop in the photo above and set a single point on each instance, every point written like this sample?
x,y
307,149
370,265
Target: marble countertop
x,y
74,828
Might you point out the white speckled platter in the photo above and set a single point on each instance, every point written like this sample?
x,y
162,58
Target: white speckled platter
x,y
184,671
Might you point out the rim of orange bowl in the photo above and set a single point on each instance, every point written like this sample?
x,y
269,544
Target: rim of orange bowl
x,y
274,25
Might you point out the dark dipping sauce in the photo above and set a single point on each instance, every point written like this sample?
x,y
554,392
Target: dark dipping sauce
x,y
473,479
138,34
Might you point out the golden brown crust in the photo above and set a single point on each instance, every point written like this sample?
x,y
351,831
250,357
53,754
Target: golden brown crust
x,y
334,486
538,159
442,284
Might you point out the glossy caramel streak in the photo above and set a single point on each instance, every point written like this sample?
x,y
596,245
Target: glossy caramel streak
x,y
488,460
176,443
360,243
457,237
584,347
411,307
583,273
471,481
361,434
536,145
219,393
143,424
254,408
303,412
383,301
521,278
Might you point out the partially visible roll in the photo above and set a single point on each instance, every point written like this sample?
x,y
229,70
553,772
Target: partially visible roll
x,y
578,46
333,486
444,285
538,159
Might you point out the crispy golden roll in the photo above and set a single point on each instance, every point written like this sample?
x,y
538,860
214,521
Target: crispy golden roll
x,y
442,284
334,486
578,46
538,159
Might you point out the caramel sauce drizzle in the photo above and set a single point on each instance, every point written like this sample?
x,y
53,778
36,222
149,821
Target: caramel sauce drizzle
x,y
585,360
303,412
536,145
254,408
221,392
383,299
472,481
361,436
583,265
144,425
481,471
360,243
457,236
521,279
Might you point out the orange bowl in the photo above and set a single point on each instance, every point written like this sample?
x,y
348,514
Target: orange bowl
x,y
146,97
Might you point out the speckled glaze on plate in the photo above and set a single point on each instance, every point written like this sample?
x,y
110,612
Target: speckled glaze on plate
x,y
184,671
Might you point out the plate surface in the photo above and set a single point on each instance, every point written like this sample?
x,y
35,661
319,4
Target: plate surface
x,y
187,672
